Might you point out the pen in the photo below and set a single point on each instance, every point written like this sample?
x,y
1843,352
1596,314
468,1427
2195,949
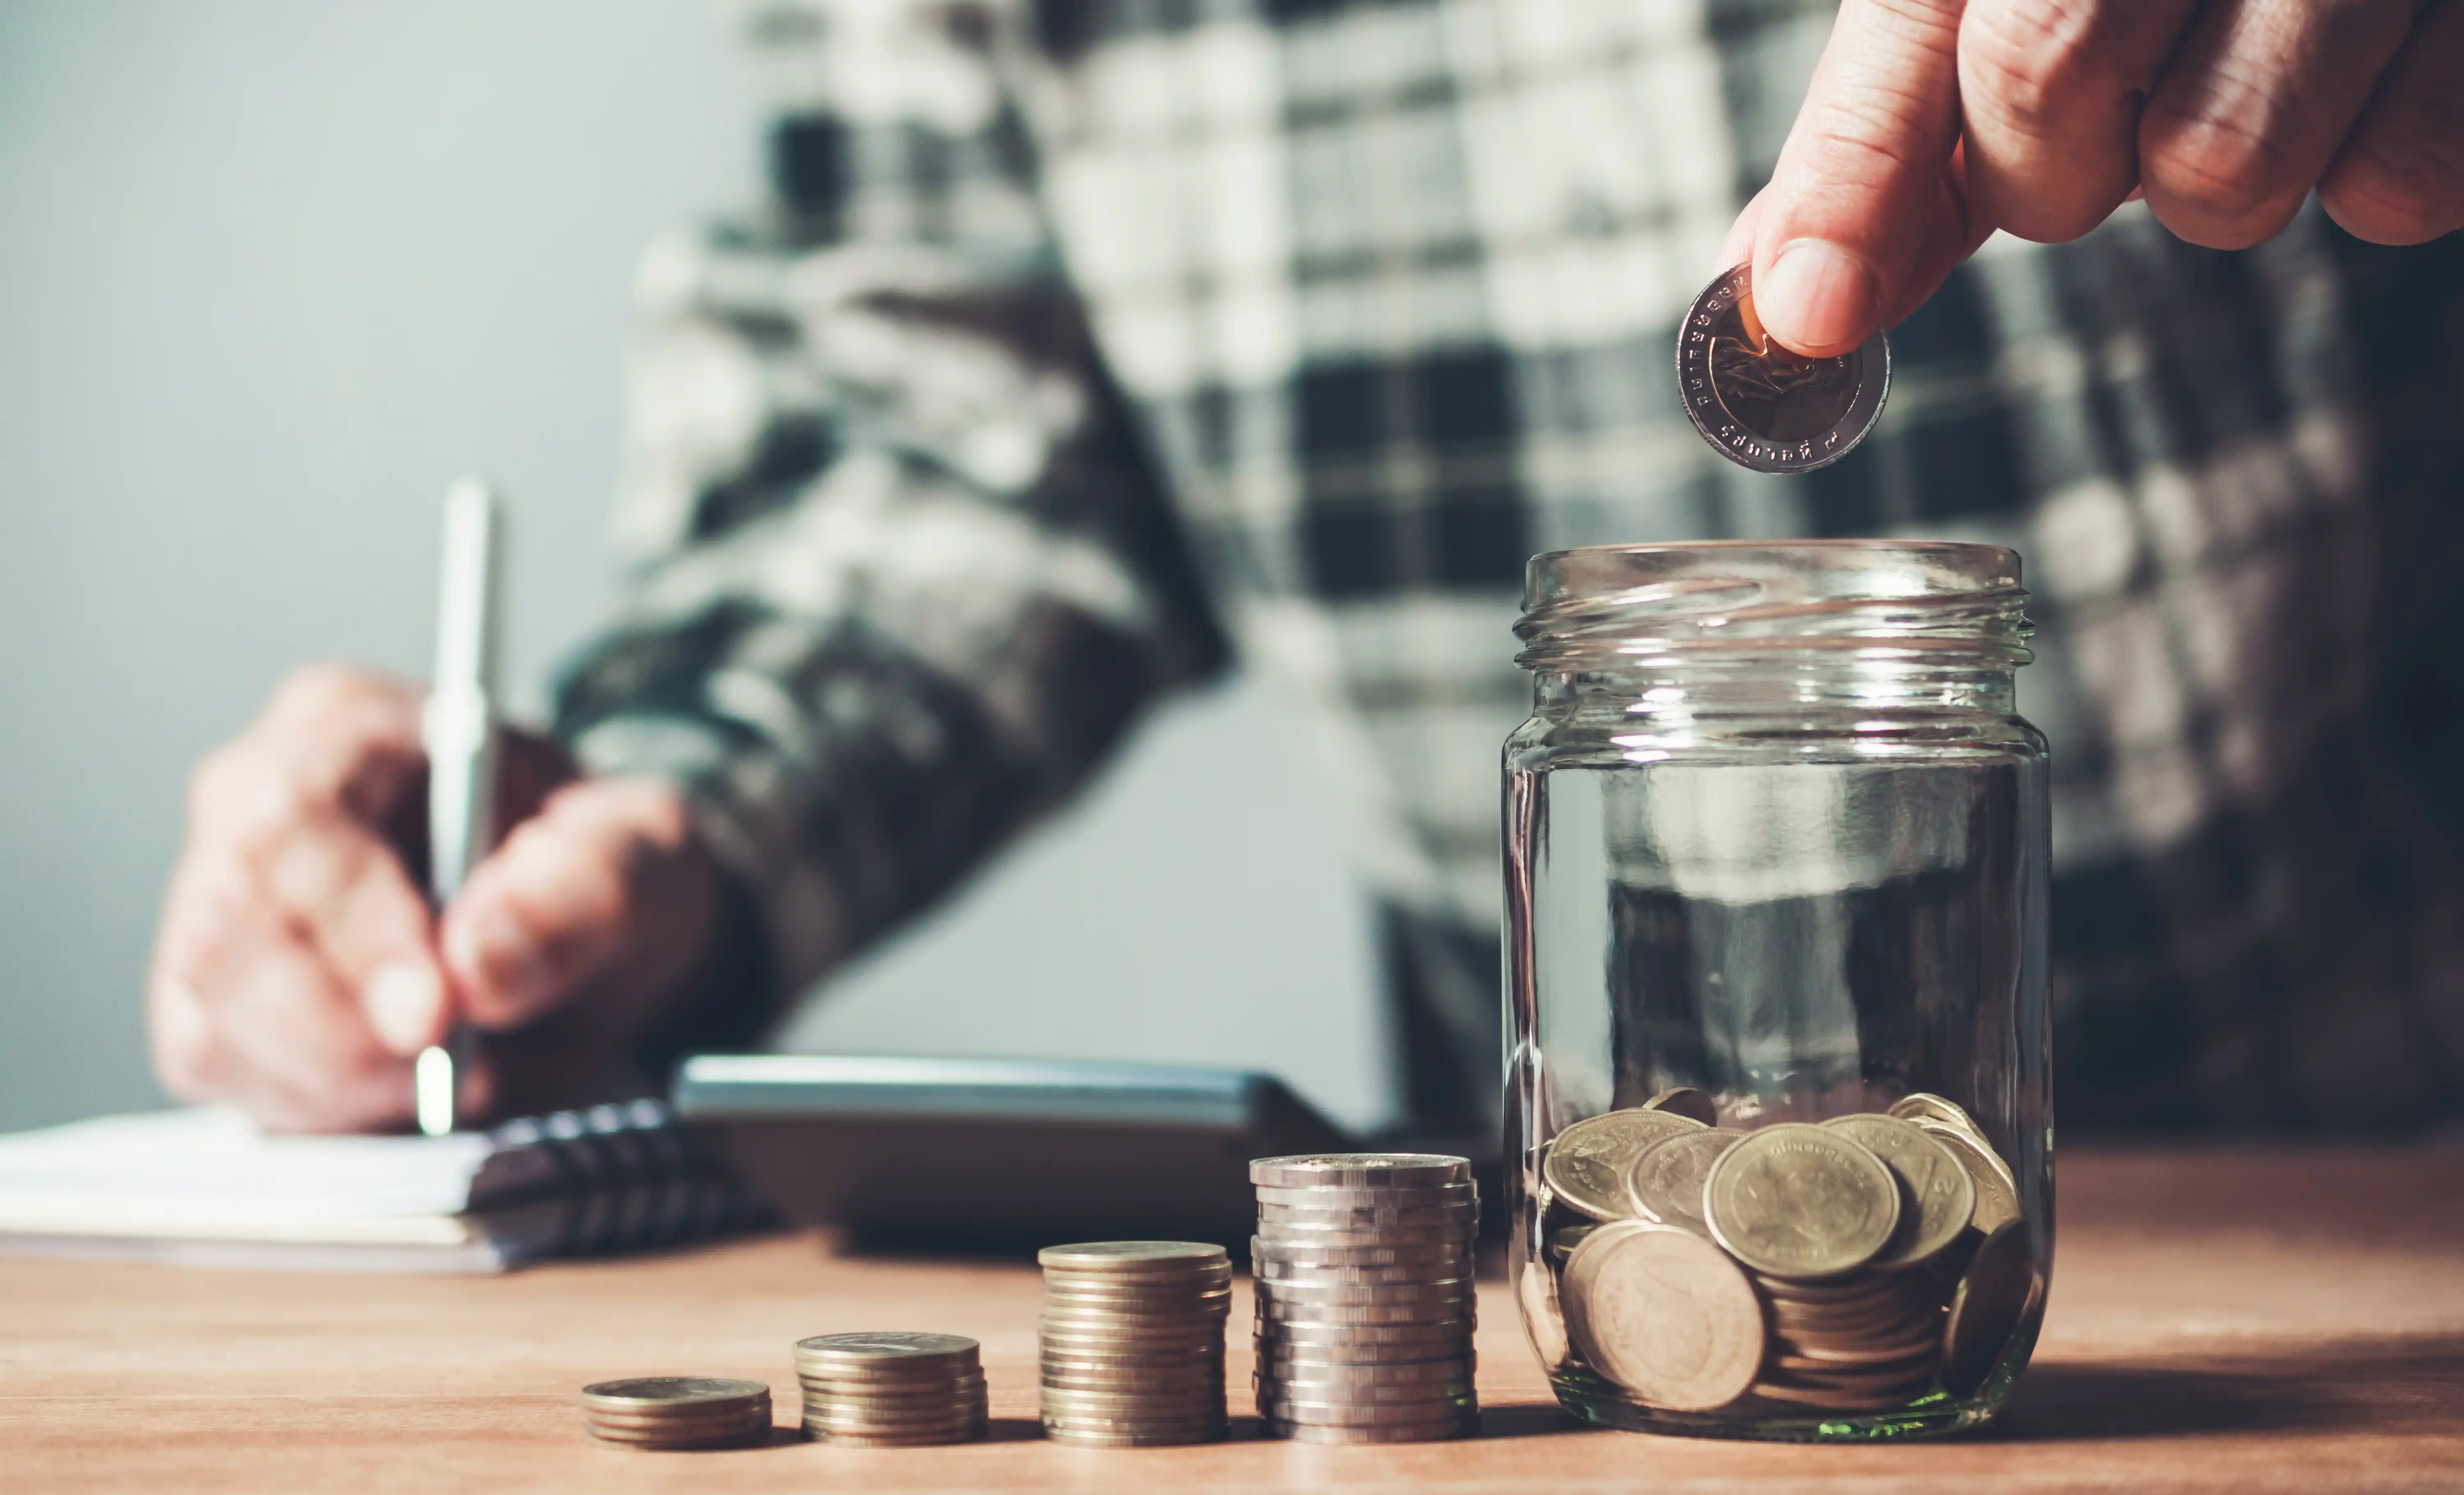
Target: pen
x,y
459,731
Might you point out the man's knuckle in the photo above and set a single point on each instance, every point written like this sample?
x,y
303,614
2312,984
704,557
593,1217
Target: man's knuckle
x,y
2400,191
2029,65
2224,171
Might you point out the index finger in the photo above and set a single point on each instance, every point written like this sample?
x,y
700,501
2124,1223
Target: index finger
x,y
1845,224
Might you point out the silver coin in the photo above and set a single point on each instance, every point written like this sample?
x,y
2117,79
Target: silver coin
x,y
1100,1318
1440,1311
1428,1409
1424,1217
1458,1425
1334,1198
1427,1289
1104,1357
895,1394
1281,1333
653,1427
1407,1373
1763,407
1363,1392
935,1439
896,1349
676,1394
1304,1360
1316,1252
1358,1170
1132,1255
1082,1439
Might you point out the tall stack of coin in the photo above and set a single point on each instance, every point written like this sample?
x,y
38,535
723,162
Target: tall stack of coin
x,y
1850,1267
1363,1277
677,1412
1133,1342
891,1390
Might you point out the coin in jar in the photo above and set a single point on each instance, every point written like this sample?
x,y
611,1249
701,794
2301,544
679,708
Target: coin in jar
x,y
1937,1196
1762,406
1925,1105
1664,1313
1796,1200
1985,1306
1586,1165
1997,1192
1666,1183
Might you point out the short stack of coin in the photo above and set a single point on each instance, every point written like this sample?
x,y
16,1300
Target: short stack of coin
x,y
891,1390
1363,1266
1849,1267
1133,1342
677,1412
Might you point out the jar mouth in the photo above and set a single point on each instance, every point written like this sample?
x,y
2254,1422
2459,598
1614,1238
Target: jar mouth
x,y
1947,601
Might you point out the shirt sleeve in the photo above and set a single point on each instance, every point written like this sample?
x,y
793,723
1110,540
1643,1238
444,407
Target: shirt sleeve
x,y
900,570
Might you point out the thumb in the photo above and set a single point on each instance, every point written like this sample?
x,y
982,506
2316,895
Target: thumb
x,y
1842,231
577,892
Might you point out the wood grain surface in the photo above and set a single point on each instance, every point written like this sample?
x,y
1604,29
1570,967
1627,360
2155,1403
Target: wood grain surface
x,y
2235,1320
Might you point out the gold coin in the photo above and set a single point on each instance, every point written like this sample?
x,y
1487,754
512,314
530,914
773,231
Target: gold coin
x,y
1937,1196
1924,1105
1794,1200
1666,1183
1665,1314
1586,1163
1997,1193
1986,1307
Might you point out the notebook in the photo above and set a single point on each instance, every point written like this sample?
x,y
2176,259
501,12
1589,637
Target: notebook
x,y
204,1187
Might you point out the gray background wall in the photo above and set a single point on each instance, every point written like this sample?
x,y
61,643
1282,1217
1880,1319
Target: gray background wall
x,y
271,271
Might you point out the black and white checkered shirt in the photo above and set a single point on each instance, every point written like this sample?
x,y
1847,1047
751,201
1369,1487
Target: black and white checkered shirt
x,y
1083,345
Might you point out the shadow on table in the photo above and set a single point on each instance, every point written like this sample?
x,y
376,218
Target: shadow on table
x,y
2384,1384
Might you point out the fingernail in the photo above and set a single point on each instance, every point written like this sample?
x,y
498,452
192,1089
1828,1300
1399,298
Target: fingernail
x,y
1817,295
404,1003
492,948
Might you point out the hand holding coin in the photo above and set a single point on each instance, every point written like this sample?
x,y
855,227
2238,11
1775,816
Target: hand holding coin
x,y
1930,123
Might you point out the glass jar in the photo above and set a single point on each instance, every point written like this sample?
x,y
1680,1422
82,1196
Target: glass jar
x,y
1778,1125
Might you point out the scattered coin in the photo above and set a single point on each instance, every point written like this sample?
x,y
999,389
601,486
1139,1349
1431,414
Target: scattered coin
x,y
1586,1164
1763,407
1666,1315
1937,1196
1796,1200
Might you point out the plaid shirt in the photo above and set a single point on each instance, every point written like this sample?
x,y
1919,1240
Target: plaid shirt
x,y
1083,344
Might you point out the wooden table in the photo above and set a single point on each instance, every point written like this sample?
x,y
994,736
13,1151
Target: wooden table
x,y
2224,1320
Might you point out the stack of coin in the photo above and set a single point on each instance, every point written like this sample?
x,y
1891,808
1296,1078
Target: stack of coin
x,y
677,1412
1133,1342
1363,1277
1851,1266
891,1390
